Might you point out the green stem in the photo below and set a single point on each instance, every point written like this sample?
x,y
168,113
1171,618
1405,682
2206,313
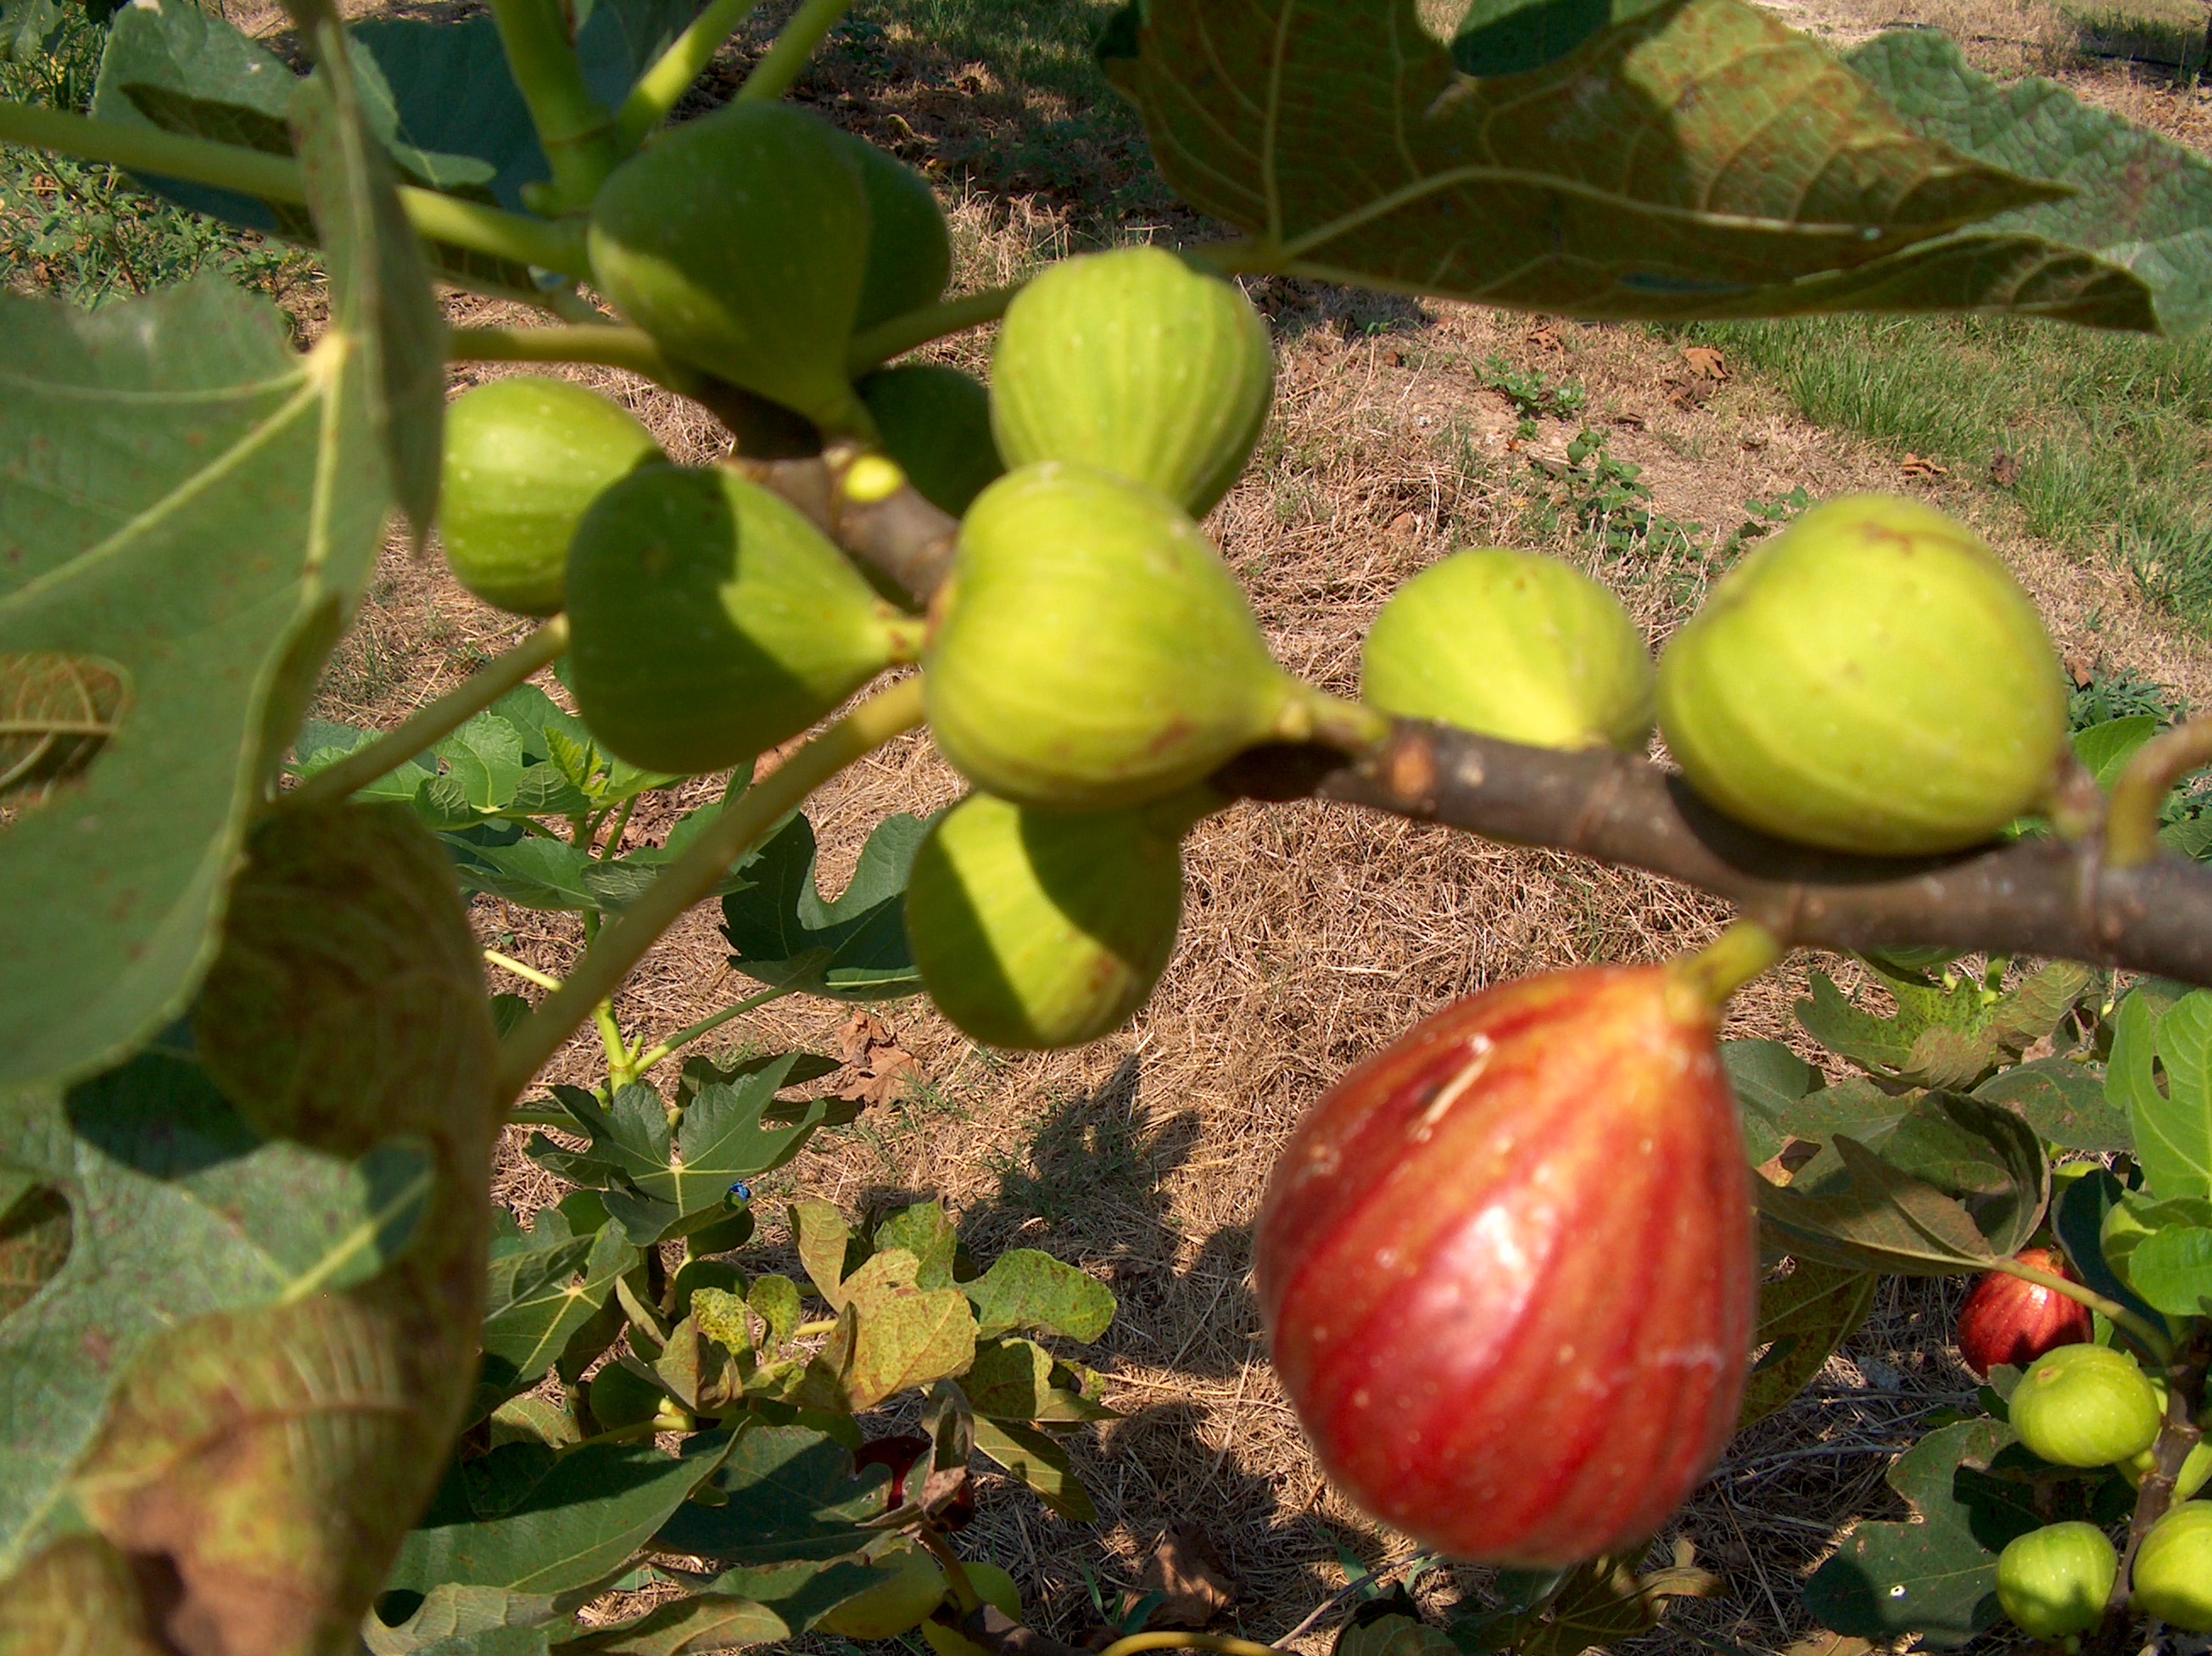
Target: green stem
x,y
466,224
610,344
2154,1339
1724,966
696,873
573,128
659,89
621,1072
428,725
773,75
2131,819
1314,716
1227,1644
955,1573
528,974
872,348
613,840
683,1037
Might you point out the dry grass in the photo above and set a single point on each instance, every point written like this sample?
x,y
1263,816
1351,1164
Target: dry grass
x,y
1313,936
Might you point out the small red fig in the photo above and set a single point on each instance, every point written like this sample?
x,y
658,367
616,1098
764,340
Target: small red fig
x,y
1508,1268
2007,1320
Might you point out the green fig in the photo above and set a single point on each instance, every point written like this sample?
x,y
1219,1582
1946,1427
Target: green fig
x,y
1872,680
1134,361
2054,1581
911,1585
2084,1405
1089,649
2172,1575
739,240
709,621
524,457
1513,645
936,423
909,249
1038,930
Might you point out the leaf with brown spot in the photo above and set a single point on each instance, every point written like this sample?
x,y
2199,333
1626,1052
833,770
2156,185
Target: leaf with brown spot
x,y
55,712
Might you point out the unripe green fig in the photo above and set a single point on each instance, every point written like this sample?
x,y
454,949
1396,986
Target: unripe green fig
x,y
1134,361
996,1588
1047,928
2196,1468
913,1585
524,457
1090,650
2173,1575
739,240
909,248
1872,680
708,621
2053,1581
1514,645
936,423
2084,1405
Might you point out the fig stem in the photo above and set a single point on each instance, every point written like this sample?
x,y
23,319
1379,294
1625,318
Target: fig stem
x,y
683,1037
1352,728
658,89
1227,1644
427,725
528,974
773,75
2131,818
955,1573
1739,954
612,344
743,825
468,225
872,348
2153,1338
573,128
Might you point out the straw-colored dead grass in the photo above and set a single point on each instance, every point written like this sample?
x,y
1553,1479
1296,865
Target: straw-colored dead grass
x,y
1314,934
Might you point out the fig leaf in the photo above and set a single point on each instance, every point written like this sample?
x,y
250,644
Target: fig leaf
x,y
2173,1124
1803,1318
781,929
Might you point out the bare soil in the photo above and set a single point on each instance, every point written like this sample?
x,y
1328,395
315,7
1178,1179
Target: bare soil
x,y
1316,934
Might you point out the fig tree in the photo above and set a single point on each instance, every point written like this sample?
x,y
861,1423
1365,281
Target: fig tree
x,y
2008,1320
708,620
1090,650
2172,1575
2084,1405
936,423
1135,361
739,240
524,457
2053,1581
1047,928
1514,645
913,1585
1872,680
909,249
1507,1266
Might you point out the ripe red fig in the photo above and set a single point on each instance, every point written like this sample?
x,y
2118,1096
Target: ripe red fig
x,y
1508,1267
2007,1320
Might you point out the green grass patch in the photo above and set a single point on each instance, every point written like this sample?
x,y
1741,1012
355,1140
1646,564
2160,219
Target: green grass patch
x,y
2112,432
82,231
2170,35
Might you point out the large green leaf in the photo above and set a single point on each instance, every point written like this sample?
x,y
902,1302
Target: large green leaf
x,y
1029,1291
266,1453
781,930
790,1496
544,1287
2131,248
1649,172
544,1523
2173,1124
891,1335
2064,1100
185,499
1769,1079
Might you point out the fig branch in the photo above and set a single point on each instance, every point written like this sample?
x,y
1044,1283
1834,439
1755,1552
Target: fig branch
x,y
2178,1435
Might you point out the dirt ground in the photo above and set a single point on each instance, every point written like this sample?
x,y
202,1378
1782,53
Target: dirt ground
x,y
1314,934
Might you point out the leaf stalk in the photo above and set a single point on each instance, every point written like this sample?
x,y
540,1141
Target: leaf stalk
x,y
2154,1339
2131,820
872,348
573,128
787,59
662,86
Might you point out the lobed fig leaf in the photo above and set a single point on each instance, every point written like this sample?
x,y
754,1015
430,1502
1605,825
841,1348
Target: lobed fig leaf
x,y
1090,650
739,241
1046,929
1504,1335
1134,361
525,457
1513,645
710,621
1872,680
936,423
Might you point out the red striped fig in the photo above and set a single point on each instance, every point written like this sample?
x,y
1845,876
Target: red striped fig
x,y
1507,1265
2009,1320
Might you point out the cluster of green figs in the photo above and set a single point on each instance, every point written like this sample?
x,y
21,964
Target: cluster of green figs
x,y
2091,1406
1871,681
